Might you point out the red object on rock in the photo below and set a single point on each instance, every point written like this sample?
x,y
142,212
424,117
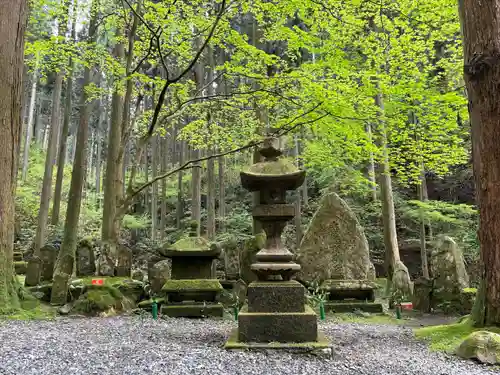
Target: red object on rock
x,y
407,305
97,281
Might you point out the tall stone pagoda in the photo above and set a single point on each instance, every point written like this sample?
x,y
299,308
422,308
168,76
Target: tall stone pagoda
x,y
276,315
193,290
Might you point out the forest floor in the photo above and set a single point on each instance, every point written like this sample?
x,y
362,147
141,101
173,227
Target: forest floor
x,y
140,345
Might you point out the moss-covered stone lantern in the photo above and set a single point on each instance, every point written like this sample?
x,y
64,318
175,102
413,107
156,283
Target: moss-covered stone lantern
x,y
193,290
276,314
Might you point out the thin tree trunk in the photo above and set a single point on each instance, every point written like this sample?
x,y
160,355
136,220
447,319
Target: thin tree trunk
x,y
154,195
163,167
481,35
210,162
63,142
180,187
386,196
371,166
298,203
421,189
66,256
98,163
13,15
29,126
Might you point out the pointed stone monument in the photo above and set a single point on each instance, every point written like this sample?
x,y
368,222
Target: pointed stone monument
x,y
276,316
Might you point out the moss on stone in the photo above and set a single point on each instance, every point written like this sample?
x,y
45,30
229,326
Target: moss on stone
x,y
469,290
481,345
101,298
149,302
191,244
277,167
198,285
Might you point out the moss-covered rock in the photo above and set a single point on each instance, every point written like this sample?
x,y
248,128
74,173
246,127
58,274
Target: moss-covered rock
x,y
131,289
481,345
100,299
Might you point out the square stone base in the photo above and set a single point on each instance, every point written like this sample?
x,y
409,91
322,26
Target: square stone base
x,y
277,326
282,296
347,307
193,310
233,343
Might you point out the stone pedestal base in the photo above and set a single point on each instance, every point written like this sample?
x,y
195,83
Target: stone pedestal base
x,y
351,306
285,296
192,310
277,326
320,345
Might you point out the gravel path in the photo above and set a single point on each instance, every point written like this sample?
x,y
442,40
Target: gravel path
x,y
131,345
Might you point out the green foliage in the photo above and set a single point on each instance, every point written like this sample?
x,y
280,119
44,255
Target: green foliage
x,y
448,337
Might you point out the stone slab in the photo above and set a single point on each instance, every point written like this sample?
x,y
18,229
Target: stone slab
x,y
321,344
282,296
345,307
192,310
277,326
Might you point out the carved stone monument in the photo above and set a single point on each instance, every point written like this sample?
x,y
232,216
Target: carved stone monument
x,y
276,315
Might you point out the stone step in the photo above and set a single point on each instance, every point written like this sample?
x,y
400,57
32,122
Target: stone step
x,y
193,310
281,296
351,306
277,326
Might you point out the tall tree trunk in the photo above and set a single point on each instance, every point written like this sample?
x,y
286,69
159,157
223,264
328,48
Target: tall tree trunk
x,y
180,187
154,195
387,198
371,166
63,144
481,39
29,126
38,121
66,256
210,162
112,178
163,167
98,162
46,193
13,15
422,195
298,201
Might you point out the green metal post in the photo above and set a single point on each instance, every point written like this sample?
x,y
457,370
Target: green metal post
x,y
154,310
322,310
398,311
235,312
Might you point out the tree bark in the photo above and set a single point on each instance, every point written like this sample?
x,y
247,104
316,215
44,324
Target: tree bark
x,y
163,167
481,40
63,144
29,126
422,195
154,195
66,256
387,198
13,15
46,193
112,178
298,200
180,187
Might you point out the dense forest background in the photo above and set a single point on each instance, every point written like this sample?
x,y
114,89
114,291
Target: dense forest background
x,y
139,115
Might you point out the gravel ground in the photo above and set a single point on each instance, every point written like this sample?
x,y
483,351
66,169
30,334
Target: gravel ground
x,y
135,346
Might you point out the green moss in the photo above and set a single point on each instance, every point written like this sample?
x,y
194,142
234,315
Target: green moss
x,y
108,280
99,298
191,244
149,302
31,311
277,167
198,285
469,290
448,337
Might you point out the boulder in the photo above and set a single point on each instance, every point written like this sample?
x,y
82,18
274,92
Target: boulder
x,y
449,275
48,255
231,259
159,273
334,246
402,286
481,345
